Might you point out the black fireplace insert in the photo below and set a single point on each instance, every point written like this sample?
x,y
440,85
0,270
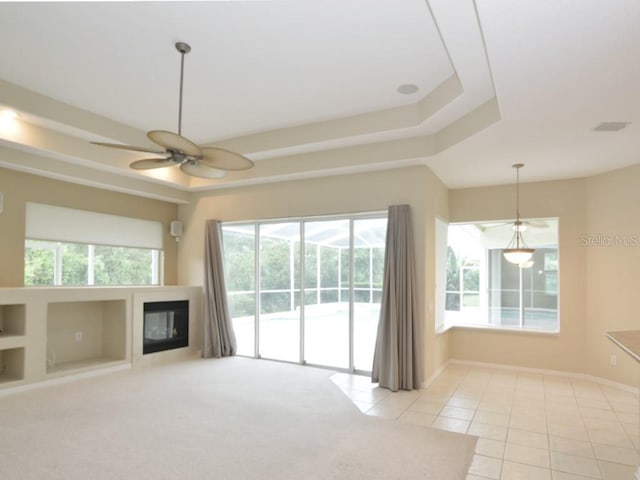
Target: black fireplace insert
x,y
166,326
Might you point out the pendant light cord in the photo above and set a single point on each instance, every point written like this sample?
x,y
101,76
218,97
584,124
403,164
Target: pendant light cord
x,y
517,194
518,225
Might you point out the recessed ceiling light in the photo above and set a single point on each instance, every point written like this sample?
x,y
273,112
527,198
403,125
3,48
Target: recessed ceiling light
x,y
407,89
611,126
8,114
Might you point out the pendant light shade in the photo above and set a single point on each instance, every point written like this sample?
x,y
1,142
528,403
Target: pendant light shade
x,y
519,256
517,251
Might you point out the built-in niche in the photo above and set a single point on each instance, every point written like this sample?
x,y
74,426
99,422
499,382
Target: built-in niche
x,y
12,319
12,331
85,334
11,364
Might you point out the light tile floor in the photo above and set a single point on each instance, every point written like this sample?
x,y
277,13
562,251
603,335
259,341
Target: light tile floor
x,y
529,426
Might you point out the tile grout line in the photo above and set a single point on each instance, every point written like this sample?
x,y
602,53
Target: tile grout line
x,y
465,386
582,418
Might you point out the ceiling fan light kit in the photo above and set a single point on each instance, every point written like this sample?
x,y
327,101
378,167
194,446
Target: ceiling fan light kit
x,y
517,251
194,160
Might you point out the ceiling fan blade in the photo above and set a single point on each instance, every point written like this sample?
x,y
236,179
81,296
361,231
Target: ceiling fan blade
x,y
224,159
537,224
149,163
496,225
173,141
129,147
198,169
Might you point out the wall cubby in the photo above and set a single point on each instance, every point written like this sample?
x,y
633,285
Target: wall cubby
x,y
84,335
12,331
12,319
11,364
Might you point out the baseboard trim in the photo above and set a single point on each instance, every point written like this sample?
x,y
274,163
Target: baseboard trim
x,y
430,380
64,379
542,371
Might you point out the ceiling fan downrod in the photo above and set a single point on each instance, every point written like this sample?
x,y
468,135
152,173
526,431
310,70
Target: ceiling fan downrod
x,y
194,160
183,48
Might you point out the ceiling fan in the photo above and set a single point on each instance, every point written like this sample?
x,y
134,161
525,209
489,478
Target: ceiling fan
x,y
194,160
520,225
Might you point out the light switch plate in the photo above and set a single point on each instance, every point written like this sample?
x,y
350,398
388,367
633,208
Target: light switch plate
x,y
1,197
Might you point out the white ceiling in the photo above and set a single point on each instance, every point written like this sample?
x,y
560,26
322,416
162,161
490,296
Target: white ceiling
x,y
308,88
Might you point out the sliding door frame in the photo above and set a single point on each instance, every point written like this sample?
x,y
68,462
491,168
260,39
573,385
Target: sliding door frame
x,y
352,218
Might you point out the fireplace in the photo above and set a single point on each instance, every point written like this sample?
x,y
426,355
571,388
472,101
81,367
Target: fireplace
x,y
166,326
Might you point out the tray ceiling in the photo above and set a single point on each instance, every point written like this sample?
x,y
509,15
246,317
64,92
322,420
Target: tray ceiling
x,y
311,88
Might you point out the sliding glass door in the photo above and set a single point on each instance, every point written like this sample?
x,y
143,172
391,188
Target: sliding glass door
x,y
326,301
368,265
279,287
240,279
310,289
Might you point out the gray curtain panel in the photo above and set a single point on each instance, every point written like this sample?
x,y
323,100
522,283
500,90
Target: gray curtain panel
x,y
396,364
219,339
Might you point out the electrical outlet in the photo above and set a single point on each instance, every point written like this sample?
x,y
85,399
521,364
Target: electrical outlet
x,y
614,360
78,336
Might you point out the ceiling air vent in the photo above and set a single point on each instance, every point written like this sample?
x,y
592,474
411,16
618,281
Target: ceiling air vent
x,y
611,126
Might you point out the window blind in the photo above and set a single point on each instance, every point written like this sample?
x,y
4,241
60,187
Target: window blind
x,y
48,222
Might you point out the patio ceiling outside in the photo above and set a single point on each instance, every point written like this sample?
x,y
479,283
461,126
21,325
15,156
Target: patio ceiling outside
x,y
368,233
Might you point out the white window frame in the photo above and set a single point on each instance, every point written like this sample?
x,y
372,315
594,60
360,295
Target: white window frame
x,y
157,257
257,291
482,319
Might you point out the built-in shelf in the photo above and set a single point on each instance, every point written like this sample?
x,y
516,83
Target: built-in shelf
x,y
86,365
12,342
84,335
12,319
11,364
56,333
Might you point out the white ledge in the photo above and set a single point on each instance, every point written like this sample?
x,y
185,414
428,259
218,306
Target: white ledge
x,y
494,329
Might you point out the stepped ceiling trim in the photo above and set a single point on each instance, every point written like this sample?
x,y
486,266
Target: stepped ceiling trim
x,y
313,90
415,128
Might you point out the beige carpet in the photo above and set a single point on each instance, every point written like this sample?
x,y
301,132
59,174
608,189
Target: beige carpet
x,y
223,419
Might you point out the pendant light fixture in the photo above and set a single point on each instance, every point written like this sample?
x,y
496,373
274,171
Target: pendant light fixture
x,y
517,251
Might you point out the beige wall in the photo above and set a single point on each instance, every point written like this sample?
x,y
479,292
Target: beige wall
x,y
598,284
366,192
19,188
563,199
613,270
